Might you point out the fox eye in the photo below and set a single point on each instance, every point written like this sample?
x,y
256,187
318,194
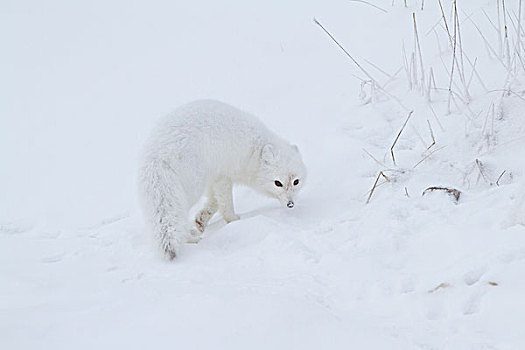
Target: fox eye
x,y
278,183
296,182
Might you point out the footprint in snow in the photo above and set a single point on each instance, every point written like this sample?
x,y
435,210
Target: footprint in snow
x,y
473,303
473,276
13,228
53,258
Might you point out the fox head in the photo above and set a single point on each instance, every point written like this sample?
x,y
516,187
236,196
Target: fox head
x,y
281,173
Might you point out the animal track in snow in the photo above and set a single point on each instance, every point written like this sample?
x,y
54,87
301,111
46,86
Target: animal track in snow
x,y
51,234
53,258
473,303
473,276
13,228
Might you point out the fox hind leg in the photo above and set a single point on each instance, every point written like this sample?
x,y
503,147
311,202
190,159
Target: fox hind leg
x,y
219,199
204,216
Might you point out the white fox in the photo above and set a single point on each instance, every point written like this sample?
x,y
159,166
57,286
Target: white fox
x,y
202,148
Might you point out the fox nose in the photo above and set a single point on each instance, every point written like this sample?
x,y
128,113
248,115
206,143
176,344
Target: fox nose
x,y
290,204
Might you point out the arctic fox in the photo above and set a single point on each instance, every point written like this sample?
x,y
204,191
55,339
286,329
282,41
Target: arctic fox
x,y
202,148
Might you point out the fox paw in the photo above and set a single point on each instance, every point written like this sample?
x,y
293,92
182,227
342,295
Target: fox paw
x,y
230,218
194,236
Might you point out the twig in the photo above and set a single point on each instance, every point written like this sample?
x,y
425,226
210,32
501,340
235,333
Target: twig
x,y
375,185
472,73
393,77
367,3
453,64
450,79
480,168
433,27
445,21
416,131
374,158
397,137
488,18
469,117
378,86
419,51
487,44
473,65
461,67
346,52
518,44
499,30
499,178
432,135
506,36
428,156
431,80
437,119
379,69
491,108
407,67
413,67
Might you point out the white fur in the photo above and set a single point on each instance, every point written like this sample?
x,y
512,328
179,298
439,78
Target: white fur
x,y
202,149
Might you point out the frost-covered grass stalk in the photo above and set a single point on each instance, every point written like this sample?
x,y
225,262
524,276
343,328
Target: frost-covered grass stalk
x,y
457,87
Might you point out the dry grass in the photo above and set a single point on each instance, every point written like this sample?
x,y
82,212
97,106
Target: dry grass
x,y
439,286
375,185
397,137
448,90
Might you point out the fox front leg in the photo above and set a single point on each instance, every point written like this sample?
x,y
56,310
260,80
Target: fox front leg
x,y
224,197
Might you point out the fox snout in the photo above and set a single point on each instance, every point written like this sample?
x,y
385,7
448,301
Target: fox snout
x,y
285,200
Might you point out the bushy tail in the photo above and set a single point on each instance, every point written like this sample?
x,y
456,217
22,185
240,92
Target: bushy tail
x,y
164,204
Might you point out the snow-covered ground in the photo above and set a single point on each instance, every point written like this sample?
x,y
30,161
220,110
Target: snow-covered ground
x,y
82,85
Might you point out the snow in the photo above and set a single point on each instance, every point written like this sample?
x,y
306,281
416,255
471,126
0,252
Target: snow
x,y
84,83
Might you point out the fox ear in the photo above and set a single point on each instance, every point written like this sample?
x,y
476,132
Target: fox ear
x,y
295,148
267,153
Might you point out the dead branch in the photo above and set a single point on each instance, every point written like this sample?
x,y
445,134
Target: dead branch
x,y
451,191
